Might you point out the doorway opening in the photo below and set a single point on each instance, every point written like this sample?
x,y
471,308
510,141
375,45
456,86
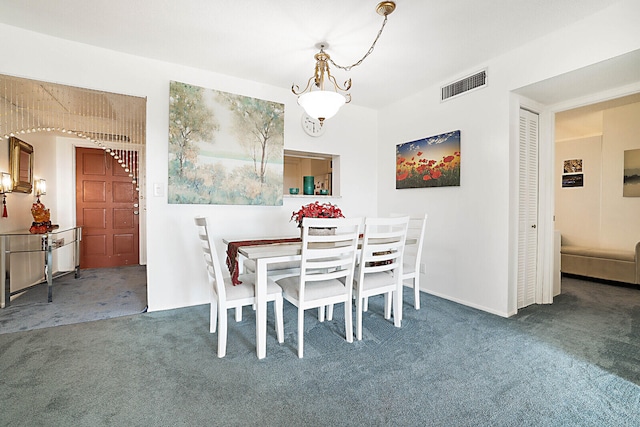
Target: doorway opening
x,y
606,80
55,119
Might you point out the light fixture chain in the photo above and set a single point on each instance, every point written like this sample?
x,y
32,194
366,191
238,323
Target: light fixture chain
x,y
373,45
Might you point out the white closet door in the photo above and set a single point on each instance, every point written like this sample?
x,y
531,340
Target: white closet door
x,y
528,208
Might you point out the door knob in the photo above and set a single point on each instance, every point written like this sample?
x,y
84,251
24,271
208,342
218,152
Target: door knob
x,y
533,226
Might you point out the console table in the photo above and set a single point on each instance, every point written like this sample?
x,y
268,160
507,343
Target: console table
x,y
32,243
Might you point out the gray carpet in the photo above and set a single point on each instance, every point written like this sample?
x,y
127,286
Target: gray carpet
x,y
573,363
98,293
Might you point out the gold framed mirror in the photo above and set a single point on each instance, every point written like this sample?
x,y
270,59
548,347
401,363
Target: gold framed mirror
x,y
21,158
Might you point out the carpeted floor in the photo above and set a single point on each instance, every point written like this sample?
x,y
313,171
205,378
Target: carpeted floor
x,y
99,293
573,363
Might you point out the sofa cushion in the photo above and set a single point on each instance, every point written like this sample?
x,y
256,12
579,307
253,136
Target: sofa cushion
x,y
598,253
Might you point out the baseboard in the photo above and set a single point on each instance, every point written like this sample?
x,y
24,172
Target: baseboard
x,y
468,304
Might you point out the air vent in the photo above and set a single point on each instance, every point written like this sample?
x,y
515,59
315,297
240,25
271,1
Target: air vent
x,y
464,85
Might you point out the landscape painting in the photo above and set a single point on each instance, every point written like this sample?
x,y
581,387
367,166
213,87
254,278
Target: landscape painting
x,y
429,162
631,182
224,148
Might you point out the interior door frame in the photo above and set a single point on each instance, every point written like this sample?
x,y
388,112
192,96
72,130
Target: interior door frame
x,y
546,185
529,229
545,258
142,217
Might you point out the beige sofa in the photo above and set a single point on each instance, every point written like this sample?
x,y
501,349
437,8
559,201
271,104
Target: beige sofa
x,y
607,264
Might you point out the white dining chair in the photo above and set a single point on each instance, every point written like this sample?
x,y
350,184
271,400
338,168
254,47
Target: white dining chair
x,y
224,295
326,271
379,270
276,271
413,256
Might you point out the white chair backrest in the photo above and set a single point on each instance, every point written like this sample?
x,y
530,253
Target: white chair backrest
x,y
417,226
210,256
329,256
382,245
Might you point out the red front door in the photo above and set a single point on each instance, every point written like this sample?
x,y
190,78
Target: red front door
x,y
107,210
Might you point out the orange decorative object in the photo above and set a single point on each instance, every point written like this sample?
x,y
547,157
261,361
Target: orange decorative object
x,y
42,219
40,214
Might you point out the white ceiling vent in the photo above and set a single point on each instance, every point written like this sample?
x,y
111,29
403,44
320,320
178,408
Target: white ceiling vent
x,y
474,81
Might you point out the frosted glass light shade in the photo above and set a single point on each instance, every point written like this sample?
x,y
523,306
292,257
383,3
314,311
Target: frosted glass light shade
x,y
40,187
321,104
6,184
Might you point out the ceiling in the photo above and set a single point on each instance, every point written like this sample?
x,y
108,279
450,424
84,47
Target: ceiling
x,y
587,120
425,42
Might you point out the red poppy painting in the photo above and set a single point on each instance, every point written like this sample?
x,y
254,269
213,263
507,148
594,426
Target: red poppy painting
x,y
429,162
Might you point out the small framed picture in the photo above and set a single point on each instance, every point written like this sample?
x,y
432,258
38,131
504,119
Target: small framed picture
x,y
572,166
572,173
631,179
572,180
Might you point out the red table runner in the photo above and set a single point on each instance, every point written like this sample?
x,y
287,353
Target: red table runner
x,y
232,253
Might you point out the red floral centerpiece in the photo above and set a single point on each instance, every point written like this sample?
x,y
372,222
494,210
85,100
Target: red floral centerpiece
x,y
316,210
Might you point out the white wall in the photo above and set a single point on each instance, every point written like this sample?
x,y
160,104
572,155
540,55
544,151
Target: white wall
x,y
467,231
597,214
470,250
19,204
27,268
175,269
578,209
470,237
620,215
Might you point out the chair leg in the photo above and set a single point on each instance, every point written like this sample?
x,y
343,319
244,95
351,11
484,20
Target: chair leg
x,y
416,293
239,314
348,320
213,316
278,308
359,303
387,305
321,314
330,312
300,332
222,332
365,306
397,306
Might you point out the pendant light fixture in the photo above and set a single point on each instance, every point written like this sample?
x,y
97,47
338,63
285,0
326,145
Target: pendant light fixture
x,y
323,103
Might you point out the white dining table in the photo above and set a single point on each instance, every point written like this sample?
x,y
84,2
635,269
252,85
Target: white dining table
x,y
264,256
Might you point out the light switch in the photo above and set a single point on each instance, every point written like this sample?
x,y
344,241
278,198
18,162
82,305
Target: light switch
x,y
158,189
